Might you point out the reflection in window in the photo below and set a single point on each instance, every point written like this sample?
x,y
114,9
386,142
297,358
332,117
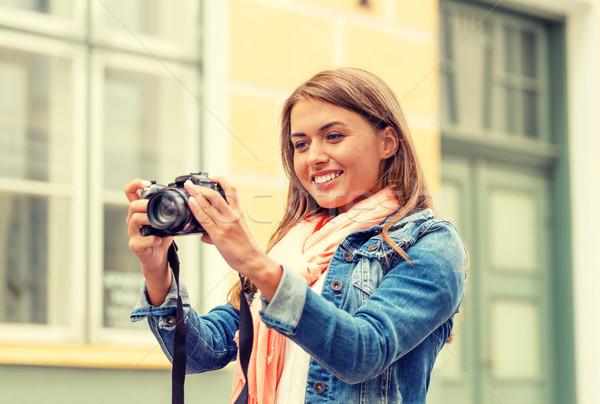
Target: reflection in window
x,y
34,258
35,139
122,276
149,17
143,127
23,230
63,8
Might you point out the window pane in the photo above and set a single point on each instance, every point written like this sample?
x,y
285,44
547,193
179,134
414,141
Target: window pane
x,y
447,39
34,239
530,113
122,275
62,8
35,128
144,128
528,54
149,17
511,110
510,62
448,101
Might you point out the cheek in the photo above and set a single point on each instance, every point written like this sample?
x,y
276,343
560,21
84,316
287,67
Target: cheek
x,y
367,171
361,162
298,167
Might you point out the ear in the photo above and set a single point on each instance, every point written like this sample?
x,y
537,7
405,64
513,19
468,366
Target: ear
x,y
389,142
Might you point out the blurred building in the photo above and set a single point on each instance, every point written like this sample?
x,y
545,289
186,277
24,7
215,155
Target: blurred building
x,y
503,101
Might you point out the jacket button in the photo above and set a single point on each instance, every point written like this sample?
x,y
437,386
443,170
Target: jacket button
x,y
373,247
170,320
336,285
319,387
348,256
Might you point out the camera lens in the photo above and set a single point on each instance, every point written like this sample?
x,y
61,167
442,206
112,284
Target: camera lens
x,y
167,210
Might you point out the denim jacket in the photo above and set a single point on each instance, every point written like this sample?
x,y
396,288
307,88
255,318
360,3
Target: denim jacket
x,y
374,332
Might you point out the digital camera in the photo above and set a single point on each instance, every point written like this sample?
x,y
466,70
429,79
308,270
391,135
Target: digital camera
x,y
168,210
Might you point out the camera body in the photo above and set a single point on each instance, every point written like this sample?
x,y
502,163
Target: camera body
x,y
168,210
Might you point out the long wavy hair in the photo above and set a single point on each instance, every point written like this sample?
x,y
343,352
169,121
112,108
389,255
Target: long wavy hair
x,y
366,94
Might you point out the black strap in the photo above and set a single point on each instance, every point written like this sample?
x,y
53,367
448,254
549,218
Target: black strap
x,y
179,354
246,335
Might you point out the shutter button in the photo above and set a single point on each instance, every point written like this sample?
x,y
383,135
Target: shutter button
x,y
170,320
348,256
319,387
336,285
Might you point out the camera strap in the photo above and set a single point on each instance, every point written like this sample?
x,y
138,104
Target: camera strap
x,y
179,353
246,335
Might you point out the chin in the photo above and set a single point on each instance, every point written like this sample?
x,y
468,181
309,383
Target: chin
x,y
332,205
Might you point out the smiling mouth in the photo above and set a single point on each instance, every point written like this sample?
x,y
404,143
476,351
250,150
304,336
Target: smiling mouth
x,y
321,179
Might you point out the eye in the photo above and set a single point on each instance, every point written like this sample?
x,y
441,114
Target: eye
x,y
334,136
300,145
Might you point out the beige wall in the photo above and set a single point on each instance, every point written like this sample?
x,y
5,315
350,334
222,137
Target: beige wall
x,y
274,46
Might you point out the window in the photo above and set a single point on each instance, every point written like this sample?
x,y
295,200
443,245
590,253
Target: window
x,y
506,75
85,108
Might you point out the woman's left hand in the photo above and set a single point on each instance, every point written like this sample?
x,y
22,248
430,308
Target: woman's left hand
x,y
226,228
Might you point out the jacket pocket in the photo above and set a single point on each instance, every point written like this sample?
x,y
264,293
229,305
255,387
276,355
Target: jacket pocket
x,y
381,389
366,277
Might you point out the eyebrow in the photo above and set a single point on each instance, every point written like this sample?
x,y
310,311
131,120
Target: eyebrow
x,y
321,129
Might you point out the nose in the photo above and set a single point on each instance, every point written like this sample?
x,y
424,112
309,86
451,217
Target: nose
x,y
317,155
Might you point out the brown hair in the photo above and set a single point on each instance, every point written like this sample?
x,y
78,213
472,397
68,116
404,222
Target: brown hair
x,y
367,95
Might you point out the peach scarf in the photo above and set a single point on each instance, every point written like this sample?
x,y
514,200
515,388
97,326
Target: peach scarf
x,y
308,252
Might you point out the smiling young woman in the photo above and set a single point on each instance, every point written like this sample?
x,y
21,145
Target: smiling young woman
x,y
360,282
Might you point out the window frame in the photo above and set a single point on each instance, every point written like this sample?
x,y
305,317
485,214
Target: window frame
x,y
497,76
49,24
46,332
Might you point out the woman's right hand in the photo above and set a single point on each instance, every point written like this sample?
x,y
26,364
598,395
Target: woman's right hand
x,y
151,251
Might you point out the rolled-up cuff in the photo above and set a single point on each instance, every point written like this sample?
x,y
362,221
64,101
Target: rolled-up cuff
x,y
144,308
285,308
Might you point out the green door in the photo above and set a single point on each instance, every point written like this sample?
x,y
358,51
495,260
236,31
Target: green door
x,y
502,351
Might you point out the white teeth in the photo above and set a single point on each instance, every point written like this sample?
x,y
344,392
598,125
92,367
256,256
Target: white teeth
x,y
324,178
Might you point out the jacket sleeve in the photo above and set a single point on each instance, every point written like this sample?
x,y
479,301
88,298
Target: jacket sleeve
x,y
413,299
209,338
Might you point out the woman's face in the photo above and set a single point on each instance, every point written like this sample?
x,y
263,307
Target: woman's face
x,y
338,154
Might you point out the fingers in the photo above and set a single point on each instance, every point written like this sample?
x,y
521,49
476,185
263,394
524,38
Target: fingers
x,y
230,191
137,207
209,207
206,239
213,197
131,189
141,243
201,208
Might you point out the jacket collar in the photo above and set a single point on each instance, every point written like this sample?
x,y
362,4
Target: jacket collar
x,y
421,216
